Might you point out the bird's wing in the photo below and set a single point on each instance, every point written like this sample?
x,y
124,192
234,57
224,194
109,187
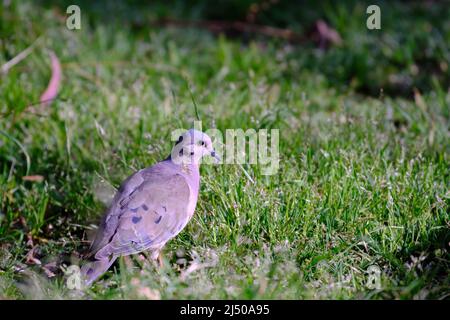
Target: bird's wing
x,y
157,210
110,219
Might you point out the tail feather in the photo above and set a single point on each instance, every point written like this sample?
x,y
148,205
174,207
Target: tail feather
x,y
91,270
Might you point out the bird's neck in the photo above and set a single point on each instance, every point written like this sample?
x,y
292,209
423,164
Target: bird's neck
x,y
189,170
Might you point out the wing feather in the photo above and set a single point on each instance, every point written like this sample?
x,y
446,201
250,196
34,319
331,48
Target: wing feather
x,y
156,211
110,219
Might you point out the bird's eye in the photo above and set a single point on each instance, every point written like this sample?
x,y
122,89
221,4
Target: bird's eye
x,y
202,143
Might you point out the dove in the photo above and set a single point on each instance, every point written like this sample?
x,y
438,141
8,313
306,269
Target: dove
x,y
151,206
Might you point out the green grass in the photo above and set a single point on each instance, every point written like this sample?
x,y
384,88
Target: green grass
x,y
363,179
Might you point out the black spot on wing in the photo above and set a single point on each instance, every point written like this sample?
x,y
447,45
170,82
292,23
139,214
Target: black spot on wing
x,y
158,220
136,219
144,207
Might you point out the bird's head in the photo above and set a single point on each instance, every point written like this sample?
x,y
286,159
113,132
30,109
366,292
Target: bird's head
x,y
191,147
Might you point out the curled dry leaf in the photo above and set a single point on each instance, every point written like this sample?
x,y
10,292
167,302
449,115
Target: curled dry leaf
x,y
30,258
327,34
53,86
50,269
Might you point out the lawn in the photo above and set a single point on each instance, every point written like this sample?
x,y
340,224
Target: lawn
x,y
363,176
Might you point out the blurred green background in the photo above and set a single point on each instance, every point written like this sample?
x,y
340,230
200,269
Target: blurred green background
x,y
364,128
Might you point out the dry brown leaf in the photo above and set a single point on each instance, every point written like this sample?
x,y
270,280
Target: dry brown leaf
x,y
327,34
34,178
53,86
30,258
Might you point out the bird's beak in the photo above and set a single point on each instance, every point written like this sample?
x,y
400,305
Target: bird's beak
x,y
215,156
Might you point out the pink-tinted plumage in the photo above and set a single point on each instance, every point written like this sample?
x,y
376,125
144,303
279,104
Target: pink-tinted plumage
x,y
151,207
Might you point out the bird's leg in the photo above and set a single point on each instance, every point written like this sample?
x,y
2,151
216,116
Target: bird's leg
x,y
160,260
155,256
140,259
128,261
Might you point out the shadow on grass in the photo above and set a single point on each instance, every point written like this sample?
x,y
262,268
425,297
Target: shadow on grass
x,y
409,52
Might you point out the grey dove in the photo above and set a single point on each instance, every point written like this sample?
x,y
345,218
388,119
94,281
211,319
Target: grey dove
x,y
151,206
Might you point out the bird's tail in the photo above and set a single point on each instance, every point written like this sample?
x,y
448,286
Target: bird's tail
x,y
93,269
